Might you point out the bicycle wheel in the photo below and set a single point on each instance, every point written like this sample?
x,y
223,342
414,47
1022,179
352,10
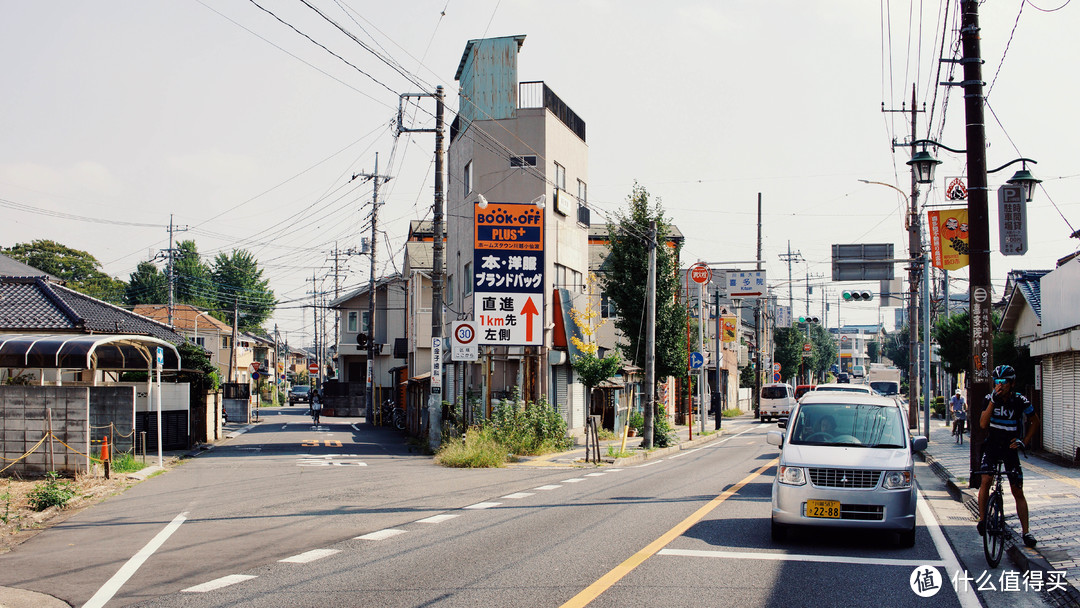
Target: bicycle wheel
x,y
399,419
994,539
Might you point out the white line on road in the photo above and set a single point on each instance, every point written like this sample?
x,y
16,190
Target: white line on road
x,y
678,455
573,480
717,444
594,474
309,556
648,464
613,470
437,519
126,571
794,557
381,534
483,505
239,432
355,428
519,495
218,583
967,596
548,487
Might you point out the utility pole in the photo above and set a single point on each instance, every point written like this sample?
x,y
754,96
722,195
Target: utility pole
x,y
437,271
915,254
650,344
235,333
171,252
790,257
759,336
982,352
369,390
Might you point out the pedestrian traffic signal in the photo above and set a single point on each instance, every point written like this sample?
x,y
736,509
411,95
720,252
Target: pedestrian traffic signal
x,y
858,296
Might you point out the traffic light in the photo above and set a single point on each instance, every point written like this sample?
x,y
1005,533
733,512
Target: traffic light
x,y
809,320
858,296
362,340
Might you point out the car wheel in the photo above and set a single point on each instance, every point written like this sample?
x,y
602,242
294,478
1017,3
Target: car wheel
x,y
779,532
906,539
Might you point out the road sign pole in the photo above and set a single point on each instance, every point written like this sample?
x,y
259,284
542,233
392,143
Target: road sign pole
x,y
701,349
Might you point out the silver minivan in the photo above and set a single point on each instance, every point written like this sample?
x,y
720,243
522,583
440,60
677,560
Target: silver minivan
x,y
845,461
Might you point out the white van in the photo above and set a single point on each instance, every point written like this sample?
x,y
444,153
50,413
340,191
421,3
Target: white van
x,y
776,400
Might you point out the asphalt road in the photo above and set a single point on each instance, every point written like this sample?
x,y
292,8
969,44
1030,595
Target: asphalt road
x,y
284,516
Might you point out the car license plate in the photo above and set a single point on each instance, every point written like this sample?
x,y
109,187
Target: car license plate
x,y
823,508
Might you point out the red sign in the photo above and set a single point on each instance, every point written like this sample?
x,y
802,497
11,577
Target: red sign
x,y
700,273
806,347
254,366
313,368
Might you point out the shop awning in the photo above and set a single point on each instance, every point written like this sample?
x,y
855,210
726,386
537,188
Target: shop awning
x,y
110,352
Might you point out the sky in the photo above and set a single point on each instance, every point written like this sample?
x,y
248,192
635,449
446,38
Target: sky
x,y
245,121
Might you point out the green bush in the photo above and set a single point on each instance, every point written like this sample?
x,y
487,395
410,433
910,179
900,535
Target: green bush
x,y
637,422
663,435
732,413
478,448
939,407
51,493
528,429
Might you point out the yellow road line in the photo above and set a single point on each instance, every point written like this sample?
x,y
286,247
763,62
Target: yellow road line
x,y
616,574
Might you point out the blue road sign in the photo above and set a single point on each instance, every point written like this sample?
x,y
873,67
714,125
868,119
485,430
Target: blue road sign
x,y
697,360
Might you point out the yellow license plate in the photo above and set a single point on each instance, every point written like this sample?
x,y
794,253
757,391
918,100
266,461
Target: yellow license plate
x,y
823,508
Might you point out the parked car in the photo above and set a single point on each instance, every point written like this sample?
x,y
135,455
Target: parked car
x,y
776,400
858,371
845,462
843,377
802,389
300,393
847,388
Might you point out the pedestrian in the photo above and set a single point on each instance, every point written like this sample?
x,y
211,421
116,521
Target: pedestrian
x,y
1010,422
959,411
316,407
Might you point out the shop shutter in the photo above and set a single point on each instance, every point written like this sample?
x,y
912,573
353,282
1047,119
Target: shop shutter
x,y
561,403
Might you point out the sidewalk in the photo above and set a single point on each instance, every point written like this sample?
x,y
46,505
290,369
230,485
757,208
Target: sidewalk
x,y
1053,494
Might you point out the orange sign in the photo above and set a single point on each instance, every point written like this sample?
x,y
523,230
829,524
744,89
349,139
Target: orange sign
x,y
727,328
509,226
949,238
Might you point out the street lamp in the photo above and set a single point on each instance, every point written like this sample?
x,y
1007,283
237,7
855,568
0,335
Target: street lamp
x,y
923,164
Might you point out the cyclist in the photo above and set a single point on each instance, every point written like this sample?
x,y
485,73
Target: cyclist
x,y
1006,417
316,407
959,411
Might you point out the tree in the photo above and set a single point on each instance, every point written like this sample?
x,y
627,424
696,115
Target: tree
x,y
873,351
80,270
787,350
623,281
591,369
953,336
895,348
192,279
147,285
238,279
824,349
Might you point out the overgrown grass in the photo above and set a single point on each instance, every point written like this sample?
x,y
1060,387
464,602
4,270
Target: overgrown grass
x,y
732,413
613,452
606,435
53,492
126,463
478,448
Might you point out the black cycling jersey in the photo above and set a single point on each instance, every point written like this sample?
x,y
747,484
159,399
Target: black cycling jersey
x,y
1007,419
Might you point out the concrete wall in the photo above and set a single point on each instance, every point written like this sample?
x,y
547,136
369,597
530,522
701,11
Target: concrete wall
x,y
23,411
115,405
174,396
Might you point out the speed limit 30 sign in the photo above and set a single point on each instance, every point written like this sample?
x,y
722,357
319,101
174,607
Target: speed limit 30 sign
x,y
463,343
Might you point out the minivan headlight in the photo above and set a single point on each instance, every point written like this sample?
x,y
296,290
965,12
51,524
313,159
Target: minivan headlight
x,y
792,476
894,480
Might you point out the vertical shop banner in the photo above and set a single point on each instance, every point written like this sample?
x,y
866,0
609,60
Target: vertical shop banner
x,y
949,238
727,328
508,274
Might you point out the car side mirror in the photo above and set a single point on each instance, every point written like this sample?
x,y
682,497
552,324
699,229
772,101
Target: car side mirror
x,y
918,443
775,438
781,423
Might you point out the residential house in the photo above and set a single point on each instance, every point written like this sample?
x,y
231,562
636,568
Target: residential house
x,y
212,334
1056,346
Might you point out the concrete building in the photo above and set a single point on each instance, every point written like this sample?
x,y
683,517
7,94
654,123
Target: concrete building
x,y
515,142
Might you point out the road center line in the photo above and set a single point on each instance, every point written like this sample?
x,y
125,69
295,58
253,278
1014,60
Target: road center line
x,y
548,487
483,505
717,444
519,495
438,519
573,480
616,574
218,583
792,557
111,586
380,534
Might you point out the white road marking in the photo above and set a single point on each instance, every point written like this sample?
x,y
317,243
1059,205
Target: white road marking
x,y
483,505
717,444
648,464
519,495
612,470
238,432
573,480
794,557
126,571
218,583
693,450
952,566
548,487
436,519
594,474
309,556
355,428
678,455
381,534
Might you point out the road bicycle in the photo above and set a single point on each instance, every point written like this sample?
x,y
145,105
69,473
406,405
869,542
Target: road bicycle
x,y
994,538
958,430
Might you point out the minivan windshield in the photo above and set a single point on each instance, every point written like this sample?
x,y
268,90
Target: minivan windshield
x,y
851,425
886,387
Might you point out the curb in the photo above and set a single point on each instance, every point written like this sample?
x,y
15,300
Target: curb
x,y
660,452
12,597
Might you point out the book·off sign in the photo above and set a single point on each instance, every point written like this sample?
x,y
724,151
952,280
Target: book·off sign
x,y
508,274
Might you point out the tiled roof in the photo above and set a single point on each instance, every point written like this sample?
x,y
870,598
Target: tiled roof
x,y
1027,282
10,267
33,304
185,317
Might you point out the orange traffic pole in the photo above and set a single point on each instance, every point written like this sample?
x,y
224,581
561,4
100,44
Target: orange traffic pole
x,y
105,454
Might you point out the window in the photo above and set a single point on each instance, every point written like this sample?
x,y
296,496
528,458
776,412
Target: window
x,y
467,178
354,316
201,341
568,278
467,279
365,322
582,192
448,292
607,307
522,161
226,341
560,176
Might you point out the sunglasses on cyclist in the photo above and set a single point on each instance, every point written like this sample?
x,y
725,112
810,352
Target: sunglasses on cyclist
x,y
1000,380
